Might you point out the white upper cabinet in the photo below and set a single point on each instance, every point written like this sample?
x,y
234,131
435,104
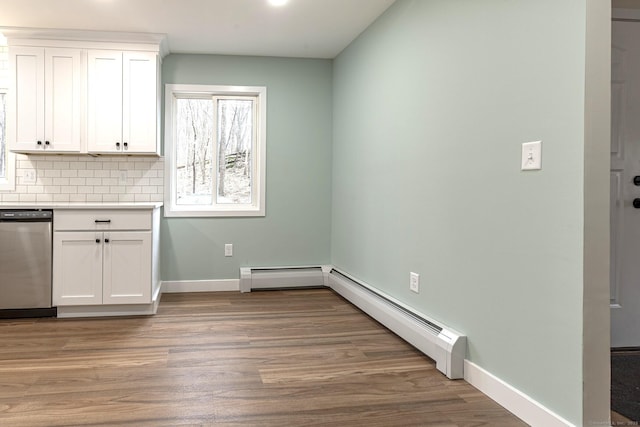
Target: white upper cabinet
x,y
104,101
70,95
140,101
122,102
45,100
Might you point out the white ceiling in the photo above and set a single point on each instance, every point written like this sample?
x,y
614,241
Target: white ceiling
x,y
302,28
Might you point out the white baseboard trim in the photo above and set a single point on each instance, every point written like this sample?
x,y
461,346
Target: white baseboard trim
x,y
230,285
515,401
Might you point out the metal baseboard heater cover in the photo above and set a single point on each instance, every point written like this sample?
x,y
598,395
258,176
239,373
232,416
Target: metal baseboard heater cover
x,y
281,278
442,344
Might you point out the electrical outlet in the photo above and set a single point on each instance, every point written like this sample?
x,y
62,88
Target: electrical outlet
x,y
414,282
228,249
29,176
122,177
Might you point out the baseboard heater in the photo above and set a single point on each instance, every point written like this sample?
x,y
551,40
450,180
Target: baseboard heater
x,y
445,346
281,278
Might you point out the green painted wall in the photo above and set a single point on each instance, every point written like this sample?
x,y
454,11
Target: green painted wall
x,y
431,105
296,229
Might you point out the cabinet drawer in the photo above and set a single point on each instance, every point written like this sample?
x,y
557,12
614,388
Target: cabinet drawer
x,y
78,220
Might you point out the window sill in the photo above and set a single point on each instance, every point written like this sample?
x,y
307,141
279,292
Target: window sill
x,y
172,212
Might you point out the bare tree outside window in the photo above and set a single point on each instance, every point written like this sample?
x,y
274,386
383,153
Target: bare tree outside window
x,y
235,134
194,160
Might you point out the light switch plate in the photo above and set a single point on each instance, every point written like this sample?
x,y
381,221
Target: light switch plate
x,y
532,155
228,250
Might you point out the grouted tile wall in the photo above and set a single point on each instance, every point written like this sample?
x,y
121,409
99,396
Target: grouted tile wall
x,y
87,179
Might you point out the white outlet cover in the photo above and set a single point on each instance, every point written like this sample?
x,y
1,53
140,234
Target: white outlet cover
x,y
228,250
29,176
532,155
122,177
414,282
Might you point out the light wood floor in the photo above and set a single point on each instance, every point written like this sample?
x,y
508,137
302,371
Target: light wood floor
x,y
281,358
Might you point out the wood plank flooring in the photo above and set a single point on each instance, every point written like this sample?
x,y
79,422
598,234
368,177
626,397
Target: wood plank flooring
x,y
278,358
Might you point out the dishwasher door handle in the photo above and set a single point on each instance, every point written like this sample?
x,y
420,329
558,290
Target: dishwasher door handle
x,y
103,221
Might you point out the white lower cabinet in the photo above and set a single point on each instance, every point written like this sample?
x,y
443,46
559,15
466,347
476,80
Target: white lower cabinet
x,y
102,268
77,269
126,268
105,258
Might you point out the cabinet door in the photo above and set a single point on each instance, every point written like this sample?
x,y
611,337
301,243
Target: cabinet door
x,y
140,104
26,99
62,99
104,109
77,268
127,268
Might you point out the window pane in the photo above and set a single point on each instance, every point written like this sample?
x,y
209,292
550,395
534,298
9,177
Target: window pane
x,y
235,144
194,151
3,135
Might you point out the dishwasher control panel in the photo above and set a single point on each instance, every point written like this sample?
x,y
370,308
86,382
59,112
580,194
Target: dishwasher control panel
x,y
18,215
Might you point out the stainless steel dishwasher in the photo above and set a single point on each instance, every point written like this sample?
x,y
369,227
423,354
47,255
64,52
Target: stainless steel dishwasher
x,y
25,263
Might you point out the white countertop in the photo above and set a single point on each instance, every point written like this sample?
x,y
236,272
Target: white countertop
x,y
68,205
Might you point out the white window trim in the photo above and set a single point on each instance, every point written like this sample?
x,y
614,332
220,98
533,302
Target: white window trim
x,y
8,183
257,207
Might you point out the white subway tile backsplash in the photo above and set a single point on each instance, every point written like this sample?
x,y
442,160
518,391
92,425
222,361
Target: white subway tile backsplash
x,y
44,197
25,164
77,165
69,189
60,165
69,178
100,189
77,181
35,189
93,181
78,198
53,189
43,164
69,173
141,165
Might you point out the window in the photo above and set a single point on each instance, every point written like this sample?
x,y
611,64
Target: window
x,y
215,149
7,159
